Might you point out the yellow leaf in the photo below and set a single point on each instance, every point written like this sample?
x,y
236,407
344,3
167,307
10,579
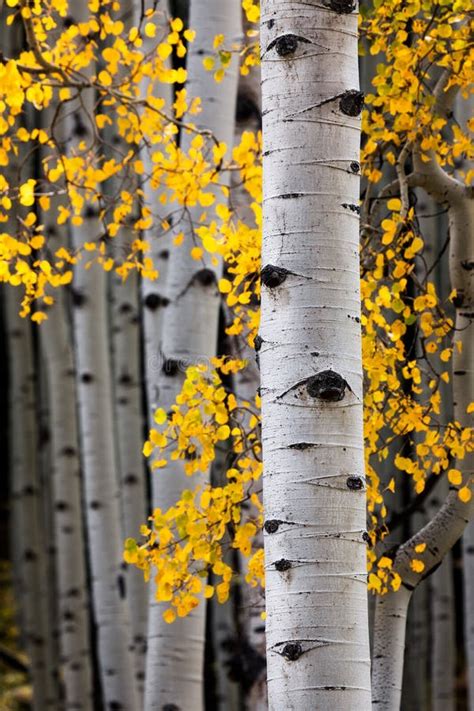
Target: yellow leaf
x,y
223,432
420,548
169,616
417,565
160,416
225,286
455,477
465,494
395,204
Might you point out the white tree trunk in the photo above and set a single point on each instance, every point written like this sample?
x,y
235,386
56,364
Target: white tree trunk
x,y
129,424
98,447
153,293
72,594
175,652
310,360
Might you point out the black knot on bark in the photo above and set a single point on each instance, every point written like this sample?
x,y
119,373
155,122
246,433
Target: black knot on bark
x,y
205,277
355,166
68,452
170,707
342,7
458,300
153,301
87,378
61,506
95,505
327,385
170,367
257,343
29,555
282,565
366,537
355,483
125,308
352,102
271,526
273,276
130,479
164,254
90,212
78,298
286,45
292,651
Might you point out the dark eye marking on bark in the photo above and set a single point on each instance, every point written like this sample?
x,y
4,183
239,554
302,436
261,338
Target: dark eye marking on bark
x,y
292,651
257,343
87,378
273,276
205,277
351,206
366,537
302,445
355,483
282,565
121,587
342,7
286,44
170,707
272,525
327,385
354,166
154,301
170,367
352,102
468,264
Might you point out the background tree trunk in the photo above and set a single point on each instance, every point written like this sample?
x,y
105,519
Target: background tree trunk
x,y
175,652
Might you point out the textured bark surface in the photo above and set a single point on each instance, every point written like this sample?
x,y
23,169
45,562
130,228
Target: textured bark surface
x,y
175,652
72,594
98,447
29,536
310,358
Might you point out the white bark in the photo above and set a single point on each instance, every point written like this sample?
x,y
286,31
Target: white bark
x,y
317,622
175,652
153,293
129,424
127,391
72,600
94,388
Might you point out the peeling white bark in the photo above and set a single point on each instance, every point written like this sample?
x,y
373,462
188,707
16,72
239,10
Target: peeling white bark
x,y
175,652
316,595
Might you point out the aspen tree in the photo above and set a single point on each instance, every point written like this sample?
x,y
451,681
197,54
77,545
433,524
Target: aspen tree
x,y
447,526
310,359
26,497
98,447
190,321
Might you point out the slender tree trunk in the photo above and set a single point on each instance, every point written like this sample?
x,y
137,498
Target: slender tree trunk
x,y
98,446
129,423
72,594
153,293
310,360
175,652
26,495
446,527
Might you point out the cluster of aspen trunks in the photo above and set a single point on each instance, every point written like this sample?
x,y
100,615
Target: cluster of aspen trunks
x,y
81,390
